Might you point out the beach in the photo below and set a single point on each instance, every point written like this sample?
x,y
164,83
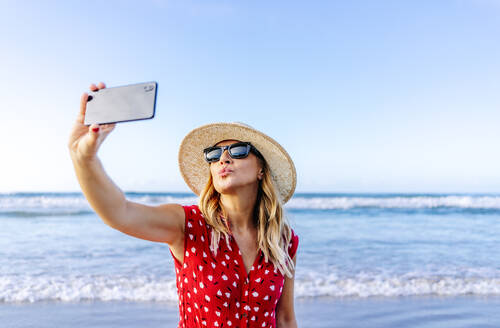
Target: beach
x,y
400,312
364,260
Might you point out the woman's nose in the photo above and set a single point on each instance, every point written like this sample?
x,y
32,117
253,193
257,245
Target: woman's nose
x,y
224,157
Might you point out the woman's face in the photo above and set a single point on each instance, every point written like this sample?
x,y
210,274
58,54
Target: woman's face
x,y
230,174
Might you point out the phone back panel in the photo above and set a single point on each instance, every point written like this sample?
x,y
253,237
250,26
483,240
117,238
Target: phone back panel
x,y
120,104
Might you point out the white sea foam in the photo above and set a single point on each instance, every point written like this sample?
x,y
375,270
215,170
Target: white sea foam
x,y
48,204
43,204
68,204
29,289
413,202
333,286
161,199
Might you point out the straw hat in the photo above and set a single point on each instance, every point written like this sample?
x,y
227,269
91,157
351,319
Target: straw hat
x,y
195,170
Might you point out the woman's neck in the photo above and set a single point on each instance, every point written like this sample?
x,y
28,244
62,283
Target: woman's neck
x,y
239,210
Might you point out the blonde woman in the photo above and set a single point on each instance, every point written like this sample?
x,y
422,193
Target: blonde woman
x,y
234,253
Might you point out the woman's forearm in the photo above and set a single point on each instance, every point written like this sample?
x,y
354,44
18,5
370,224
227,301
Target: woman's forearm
x,y
104,196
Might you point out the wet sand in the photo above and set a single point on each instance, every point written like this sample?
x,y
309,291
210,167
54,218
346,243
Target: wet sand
x,y
429,312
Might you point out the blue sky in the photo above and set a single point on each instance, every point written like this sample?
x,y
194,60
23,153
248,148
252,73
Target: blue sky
x,y
366,96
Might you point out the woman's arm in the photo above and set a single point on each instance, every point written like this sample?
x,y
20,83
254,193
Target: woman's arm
x,y
285,313
163,223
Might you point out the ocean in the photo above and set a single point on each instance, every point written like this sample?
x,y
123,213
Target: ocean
x,y
361,248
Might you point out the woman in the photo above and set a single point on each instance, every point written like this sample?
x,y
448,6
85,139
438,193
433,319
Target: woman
x,y
234,254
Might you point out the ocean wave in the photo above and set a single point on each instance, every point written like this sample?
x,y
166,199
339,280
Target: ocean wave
x,y
24,205
395,286
40,204
30,289
40,213
398,202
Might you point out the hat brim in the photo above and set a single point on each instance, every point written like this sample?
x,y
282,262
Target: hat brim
x,y
195,170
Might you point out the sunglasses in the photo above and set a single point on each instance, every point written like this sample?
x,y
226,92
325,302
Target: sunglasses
x,y
236,150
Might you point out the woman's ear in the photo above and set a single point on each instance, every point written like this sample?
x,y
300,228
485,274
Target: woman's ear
x,y
260,175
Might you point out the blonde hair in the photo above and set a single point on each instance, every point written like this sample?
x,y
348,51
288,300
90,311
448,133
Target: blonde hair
x,y
273,230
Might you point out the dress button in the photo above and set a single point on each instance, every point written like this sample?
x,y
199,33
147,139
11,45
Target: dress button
x,y
244,315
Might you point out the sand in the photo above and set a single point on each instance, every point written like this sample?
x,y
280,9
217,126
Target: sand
x,y
429,312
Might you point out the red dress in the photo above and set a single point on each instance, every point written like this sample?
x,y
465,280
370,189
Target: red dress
x,y
216,291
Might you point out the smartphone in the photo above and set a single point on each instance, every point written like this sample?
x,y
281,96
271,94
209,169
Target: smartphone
x,y
122,104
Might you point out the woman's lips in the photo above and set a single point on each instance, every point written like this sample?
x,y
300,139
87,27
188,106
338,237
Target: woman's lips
x,y
224,172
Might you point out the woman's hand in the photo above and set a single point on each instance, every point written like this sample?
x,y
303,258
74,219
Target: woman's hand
x,y
84,141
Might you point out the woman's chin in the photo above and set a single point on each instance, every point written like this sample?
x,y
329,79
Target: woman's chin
x,y
225,188
228,186
231,187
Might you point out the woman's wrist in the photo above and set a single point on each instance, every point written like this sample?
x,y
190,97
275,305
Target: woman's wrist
x,y
86,165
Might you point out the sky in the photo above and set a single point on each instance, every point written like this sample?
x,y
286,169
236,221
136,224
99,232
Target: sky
x,y
366,96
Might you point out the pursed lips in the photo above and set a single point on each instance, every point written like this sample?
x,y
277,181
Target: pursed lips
x,y
224,171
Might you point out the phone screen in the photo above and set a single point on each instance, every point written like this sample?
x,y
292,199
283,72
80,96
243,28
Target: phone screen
x,y
122,104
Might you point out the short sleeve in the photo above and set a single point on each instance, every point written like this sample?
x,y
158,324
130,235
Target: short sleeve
x,y
194,225
194,235
294,244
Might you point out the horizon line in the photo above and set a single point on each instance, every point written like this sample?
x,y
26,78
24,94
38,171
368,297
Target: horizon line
x,y
188,193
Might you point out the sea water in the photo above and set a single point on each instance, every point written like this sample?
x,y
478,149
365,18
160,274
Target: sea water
x,y
54,248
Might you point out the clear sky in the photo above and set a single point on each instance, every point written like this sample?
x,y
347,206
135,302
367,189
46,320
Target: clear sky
x,y
366,96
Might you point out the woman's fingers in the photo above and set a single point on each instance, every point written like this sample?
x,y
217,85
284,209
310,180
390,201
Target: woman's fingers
x,y
94,128
110,126
101,130
84,100
85,140
105,129
93,135
97,87
83,107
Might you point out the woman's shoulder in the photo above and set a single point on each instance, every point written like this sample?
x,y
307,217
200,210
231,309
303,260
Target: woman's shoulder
x,y
194,217
191,210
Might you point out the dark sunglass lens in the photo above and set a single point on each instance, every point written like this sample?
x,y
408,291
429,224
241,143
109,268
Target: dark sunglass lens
x,y
239,150
213,154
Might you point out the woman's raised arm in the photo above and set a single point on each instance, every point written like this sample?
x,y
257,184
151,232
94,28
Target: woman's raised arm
x,y
164,223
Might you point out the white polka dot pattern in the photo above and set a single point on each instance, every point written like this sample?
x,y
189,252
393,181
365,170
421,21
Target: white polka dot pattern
x,y
217,291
